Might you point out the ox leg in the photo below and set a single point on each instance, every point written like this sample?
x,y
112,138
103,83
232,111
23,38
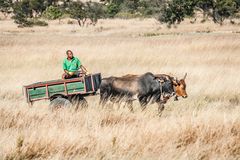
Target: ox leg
x,y
103,103
160,108
143,102
103,100
130,105
115,101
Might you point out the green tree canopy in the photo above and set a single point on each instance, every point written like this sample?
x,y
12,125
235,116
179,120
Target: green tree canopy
x,y
5,7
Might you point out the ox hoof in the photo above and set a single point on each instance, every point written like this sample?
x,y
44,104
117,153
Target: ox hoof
x,y
176,98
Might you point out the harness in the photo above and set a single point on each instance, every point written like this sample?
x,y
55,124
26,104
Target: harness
x,y
161,92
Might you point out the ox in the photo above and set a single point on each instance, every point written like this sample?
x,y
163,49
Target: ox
x,y
147,88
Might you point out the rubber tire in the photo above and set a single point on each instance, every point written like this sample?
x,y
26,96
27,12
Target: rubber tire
x,y
79,102
60,103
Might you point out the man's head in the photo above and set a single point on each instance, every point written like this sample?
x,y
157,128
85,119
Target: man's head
x,y
69,54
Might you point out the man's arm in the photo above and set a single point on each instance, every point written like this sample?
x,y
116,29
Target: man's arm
x,y
65,67
83,69
81,66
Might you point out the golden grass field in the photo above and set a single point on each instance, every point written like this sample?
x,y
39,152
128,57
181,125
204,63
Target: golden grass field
x,y
206,125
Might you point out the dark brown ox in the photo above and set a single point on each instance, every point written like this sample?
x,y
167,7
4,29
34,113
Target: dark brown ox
x,y
146,88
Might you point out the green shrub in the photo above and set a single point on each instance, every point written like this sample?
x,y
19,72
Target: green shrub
x,y
52,13
37,22
112,10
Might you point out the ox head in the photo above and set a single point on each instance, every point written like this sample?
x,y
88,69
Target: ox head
x,y
180,87
167,87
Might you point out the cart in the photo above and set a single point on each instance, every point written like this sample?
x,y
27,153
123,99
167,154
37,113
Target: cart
x,y
64,91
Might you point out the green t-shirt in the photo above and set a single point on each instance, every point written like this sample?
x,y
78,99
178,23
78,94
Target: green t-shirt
x,y
72,65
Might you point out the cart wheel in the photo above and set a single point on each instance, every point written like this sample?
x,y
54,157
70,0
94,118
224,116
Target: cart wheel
x,y
79,102
59,102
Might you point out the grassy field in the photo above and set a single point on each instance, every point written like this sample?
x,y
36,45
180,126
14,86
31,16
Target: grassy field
x,y
206,125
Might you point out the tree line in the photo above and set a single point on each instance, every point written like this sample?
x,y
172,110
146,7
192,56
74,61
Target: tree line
x,y
33,12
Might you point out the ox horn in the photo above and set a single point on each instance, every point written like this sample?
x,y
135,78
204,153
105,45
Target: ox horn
x,y
175,81
185,76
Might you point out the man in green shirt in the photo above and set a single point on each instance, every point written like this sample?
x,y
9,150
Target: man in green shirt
x,y
71,66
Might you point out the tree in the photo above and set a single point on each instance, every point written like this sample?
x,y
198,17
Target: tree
x,y
112,9
130,6
117,2
77,11
37,7
21,11
48,3
83,11
223,9
176,10
5,7
204,6
24,14
238,3
149,7
94,11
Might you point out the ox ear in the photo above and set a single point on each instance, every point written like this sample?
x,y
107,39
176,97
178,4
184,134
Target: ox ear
x,y
185,76
160,80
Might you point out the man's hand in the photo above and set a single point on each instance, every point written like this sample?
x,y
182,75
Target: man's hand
x,y
66,71
69,73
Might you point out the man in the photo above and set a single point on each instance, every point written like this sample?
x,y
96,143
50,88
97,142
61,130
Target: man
x,y
71,66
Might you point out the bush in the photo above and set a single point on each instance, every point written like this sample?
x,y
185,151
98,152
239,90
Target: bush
x,y
112,10
52,13
36,22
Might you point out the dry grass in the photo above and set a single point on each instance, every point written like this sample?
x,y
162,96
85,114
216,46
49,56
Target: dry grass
x,y
204,126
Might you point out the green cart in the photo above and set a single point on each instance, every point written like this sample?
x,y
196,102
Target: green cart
x,y
64,92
